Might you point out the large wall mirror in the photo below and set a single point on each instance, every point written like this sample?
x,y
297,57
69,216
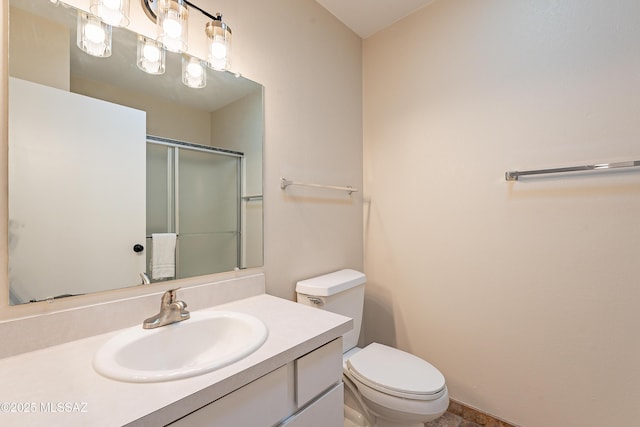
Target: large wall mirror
x,y
120,178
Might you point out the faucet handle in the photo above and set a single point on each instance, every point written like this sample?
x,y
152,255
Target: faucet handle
x,y
169,296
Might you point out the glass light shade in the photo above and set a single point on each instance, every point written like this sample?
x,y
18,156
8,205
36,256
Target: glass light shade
x,y
112,12
171,25
151,56
93,35
218,44
194,73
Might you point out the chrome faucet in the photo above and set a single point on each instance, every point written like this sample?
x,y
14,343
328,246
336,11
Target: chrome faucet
x,y
171,311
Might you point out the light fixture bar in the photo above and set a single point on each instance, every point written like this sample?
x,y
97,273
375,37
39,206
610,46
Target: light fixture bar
x,y
172,26
151,5
204,12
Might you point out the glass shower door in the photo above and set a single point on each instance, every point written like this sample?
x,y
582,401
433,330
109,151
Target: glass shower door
x,y
160,190
208,212
194,191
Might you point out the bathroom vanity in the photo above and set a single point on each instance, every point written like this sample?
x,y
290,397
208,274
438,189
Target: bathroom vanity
x,y
293,379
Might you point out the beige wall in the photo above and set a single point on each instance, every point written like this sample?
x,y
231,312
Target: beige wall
x,y
524,294
33,58
237,126
164,119
310,65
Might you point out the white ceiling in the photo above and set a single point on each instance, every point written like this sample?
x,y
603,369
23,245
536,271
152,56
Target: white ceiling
x,y
366,17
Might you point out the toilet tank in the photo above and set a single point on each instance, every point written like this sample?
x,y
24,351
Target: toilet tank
x,y
340,292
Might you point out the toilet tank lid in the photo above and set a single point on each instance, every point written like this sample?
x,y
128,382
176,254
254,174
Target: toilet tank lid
x,y
332,283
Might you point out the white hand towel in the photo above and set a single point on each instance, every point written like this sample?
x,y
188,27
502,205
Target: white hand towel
x,y
163,255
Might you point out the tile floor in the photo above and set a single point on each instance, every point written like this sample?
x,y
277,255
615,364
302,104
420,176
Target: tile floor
x,y
451,420
459,415
447,420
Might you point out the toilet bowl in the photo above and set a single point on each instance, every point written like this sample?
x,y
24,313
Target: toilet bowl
x,y
397,388
384,386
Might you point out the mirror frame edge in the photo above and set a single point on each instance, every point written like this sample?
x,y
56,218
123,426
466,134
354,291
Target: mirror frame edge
x,y
4,142
79,302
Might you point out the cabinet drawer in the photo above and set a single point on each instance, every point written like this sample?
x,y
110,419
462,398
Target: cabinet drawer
x,y
261,403
318,371
325,412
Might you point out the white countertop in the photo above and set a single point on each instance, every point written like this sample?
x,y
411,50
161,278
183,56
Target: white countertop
x,y
60,387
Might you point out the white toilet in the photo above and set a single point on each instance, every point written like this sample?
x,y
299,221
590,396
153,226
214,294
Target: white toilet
x,y
384,386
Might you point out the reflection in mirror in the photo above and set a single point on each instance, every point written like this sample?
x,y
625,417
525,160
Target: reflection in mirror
x,y
118,177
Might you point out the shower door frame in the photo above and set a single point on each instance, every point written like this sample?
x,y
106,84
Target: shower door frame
x,y
173,181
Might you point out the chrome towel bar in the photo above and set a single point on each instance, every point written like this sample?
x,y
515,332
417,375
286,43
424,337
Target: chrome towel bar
x,y
284,183
252,197
513,175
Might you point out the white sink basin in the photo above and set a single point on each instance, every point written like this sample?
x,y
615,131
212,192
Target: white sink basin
x,y
207,341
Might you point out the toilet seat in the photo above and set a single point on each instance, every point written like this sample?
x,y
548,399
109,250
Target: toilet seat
x,y
396,373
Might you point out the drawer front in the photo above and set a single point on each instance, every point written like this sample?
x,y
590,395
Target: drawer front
x,y
318,371
261,403
325,412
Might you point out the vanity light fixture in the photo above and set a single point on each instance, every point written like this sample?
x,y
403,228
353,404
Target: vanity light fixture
x,y
171,17
151,56
171,23
218,43
93,35
112,12
193,72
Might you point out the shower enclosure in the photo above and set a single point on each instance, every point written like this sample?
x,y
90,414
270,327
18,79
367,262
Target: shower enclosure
x,y
195,192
